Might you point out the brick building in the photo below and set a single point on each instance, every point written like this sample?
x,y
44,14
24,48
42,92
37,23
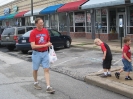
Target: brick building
x,y
107,19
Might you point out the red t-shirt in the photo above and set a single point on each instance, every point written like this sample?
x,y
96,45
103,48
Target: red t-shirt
x,y
103,47
40,37
126,49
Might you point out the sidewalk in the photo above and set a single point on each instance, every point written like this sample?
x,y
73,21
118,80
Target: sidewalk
x,y
111,83
115,45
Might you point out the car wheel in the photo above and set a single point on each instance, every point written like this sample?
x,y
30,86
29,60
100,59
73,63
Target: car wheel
x,y
67,44
24,51
10,48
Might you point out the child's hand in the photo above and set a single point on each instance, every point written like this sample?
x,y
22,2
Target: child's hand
x,y
103,58
130,60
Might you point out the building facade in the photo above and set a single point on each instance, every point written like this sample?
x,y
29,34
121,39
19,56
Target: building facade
x,y
108,20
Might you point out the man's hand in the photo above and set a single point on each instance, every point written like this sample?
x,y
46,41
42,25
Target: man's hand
x,y
34,46
49,44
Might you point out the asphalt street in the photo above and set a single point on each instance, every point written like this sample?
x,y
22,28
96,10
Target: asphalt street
x,y
17,83
74,62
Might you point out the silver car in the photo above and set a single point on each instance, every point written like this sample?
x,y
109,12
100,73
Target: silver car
x,y
10,35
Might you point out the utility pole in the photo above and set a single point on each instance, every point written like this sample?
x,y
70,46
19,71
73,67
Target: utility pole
x,y
31,7
31,18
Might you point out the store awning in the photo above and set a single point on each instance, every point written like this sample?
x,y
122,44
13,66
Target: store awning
x,y
20,14
10,16
71,6
35,12
2,17
102,3
51,9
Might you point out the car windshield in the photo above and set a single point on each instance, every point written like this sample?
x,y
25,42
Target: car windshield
x,y
27,34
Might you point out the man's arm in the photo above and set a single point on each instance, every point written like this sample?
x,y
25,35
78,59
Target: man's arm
x,y
34,46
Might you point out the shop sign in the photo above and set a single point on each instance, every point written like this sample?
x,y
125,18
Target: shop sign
x,y
79,18
15,8
6,11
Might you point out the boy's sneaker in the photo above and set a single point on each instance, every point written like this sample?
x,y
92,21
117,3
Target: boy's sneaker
x,y
103,75
109,75
50,90
117,75
128,78
36,86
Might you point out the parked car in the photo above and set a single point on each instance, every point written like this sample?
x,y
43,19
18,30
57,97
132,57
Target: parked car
x,y
1,30
56,38
10,35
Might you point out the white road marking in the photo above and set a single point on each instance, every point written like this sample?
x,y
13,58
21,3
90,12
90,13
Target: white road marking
x,y
100,70
117,61
66,61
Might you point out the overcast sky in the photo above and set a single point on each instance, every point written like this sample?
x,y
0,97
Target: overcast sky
x,y
2,2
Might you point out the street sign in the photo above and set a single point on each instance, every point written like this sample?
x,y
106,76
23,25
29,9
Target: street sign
x,y
120,22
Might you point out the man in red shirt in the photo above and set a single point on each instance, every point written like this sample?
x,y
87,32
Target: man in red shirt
x,y
126,59
40,41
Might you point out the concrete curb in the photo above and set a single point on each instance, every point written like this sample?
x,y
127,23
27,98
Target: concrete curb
x,y
114,86
94,48
73,74
94,79
110,85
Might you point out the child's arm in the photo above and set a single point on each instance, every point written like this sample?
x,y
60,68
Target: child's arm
x,y
104,51
125,56
104,55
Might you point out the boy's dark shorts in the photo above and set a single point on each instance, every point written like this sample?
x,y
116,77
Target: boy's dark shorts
x,y
107,64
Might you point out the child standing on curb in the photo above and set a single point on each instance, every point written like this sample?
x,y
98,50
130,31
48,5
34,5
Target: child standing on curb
x,y
126,59
107,57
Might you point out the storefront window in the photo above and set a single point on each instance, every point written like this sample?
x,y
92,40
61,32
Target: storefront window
x,y
54,21
71,22
27,21
79,21
46,21
98,20
130,20
101,20
98,15
62,22
104,20
17,22
112,20
3,23
88,19
7,23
